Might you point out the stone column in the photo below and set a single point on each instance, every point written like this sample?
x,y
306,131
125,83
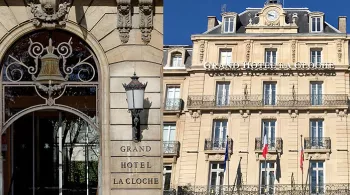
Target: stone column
x,y
136,168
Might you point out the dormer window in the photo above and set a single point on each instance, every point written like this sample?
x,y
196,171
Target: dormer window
x,y
228,24
316,22
176,59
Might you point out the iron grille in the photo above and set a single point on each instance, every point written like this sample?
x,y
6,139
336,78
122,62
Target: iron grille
x,y
278,189
317,143
239,101
217,144
173,104
273,144
171,147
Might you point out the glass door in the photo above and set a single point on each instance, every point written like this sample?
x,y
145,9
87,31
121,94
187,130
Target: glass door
x,y
219,134
173,98
316,93
316,132
222,93
269,129
54,153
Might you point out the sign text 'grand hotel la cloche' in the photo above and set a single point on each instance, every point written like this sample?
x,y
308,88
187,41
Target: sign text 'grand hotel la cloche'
x,y
134,166
269,66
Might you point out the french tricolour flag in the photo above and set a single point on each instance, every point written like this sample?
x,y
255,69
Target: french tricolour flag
x,y
266,146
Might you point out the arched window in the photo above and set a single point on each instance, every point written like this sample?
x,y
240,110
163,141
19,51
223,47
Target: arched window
x,y
50,115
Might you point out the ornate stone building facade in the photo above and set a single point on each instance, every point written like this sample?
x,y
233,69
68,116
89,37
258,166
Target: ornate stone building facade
x,y
66,126
273,72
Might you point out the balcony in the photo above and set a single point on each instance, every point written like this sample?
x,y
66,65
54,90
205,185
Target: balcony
x,y
287,189
173,105
274,145
320,146
217,145
171,148
298,101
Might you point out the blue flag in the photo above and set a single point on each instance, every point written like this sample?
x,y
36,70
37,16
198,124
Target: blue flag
x,y
226,155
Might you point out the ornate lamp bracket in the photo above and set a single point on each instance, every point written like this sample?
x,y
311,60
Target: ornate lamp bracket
x,y
146,19
49,13
124,23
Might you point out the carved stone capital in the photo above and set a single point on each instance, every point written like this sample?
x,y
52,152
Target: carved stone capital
x,y
244,113
49,14
342,113
124,23
146,19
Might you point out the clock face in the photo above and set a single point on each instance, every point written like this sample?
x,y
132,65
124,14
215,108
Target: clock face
x,y
272,15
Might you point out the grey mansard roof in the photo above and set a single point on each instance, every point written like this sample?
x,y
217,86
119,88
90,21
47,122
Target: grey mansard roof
x,y
302,21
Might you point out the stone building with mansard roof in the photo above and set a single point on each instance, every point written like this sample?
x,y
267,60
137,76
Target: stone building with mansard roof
x,y
274,72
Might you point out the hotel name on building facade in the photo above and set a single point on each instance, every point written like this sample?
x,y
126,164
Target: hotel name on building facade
x,y
273,72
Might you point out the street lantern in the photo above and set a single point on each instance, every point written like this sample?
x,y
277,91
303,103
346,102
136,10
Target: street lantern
x,y
135,92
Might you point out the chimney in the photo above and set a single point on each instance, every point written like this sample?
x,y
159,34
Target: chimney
x,y
212,22
342,24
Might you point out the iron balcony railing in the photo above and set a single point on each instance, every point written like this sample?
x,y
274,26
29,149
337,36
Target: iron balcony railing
x,y
171,147
169,192
239,101
173,104
317,143
278,189
273,143
218,144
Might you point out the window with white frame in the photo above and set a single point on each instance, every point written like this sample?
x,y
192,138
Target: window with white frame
x,y
267,177
316,56
316,90
225,56
219,134
169,132
269,129
167,169
229,24
317,177
173,101
216,174
176,59
271,56
269,93
316,133
316,24
222,93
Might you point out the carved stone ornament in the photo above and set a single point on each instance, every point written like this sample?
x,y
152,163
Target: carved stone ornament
x,y
49,14
146,19
339,49
201,51
293,50
248,47
341,113
245,114
195,114
124,19
294,114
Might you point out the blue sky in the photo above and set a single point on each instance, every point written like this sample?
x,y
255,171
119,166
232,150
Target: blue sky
x,y
182,18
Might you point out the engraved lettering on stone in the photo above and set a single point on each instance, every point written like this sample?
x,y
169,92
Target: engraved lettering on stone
x,y
293,50
135,148
49,14
339,49
141,165
146,19
201,51
124,25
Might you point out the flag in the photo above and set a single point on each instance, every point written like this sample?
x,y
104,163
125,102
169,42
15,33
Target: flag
x,y
265,146
239,174
302,159
226,155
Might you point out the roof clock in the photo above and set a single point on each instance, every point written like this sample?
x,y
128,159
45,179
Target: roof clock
x,y
272,15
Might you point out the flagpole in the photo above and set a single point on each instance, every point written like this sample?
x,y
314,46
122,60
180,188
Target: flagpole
x,y
302,171
228,168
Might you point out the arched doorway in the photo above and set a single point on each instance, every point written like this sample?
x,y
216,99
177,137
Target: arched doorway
x,y
50,134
